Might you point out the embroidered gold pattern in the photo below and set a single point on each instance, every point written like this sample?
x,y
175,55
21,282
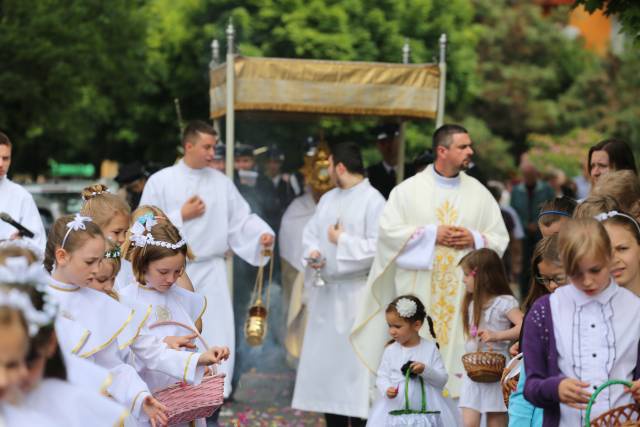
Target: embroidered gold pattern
x,y
444,281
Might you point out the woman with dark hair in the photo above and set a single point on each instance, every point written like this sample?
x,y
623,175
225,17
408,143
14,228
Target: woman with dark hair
x,y
610,155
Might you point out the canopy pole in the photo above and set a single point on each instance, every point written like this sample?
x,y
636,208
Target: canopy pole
x,y
443,80
402,146
230,130
215,61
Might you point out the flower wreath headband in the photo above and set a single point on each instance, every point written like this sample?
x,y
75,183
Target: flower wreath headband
x,y
141,234
605,216
17,271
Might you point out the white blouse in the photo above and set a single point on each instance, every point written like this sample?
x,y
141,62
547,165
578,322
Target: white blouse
x,y
597,340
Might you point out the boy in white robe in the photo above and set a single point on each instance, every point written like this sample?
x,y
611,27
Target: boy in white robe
x,y
339,241
17,202
213,218
430,221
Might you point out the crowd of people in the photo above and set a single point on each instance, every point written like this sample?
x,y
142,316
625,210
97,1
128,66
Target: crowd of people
x,y
387,286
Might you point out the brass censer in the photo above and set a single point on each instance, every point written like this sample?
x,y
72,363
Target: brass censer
x,y
255,327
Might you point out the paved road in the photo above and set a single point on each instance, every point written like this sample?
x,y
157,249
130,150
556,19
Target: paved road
x,y
263,400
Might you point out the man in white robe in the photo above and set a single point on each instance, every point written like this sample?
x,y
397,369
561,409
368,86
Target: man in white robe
x,y
339,241
430,221
18,203
213,218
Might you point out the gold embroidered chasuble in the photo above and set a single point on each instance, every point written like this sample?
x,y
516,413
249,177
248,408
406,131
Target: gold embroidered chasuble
x,y
422,200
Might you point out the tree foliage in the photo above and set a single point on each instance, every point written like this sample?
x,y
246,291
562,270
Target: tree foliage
x,y
84,81
628,11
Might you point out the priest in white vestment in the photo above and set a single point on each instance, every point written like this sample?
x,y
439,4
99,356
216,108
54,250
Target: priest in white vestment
x,y
430,221
339,241
212,217
18,203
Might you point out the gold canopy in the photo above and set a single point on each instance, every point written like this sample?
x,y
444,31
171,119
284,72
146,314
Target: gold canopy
x,y
328,87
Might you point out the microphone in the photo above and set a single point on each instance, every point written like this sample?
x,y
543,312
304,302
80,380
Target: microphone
x,y
22,230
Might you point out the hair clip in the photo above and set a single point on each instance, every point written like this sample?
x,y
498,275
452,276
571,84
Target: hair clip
x,y
114,253
95,193
77,223
601,217
473,272
406,308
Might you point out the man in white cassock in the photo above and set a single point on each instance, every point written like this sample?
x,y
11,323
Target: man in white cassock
x,y
18,203
339,241
213,218
430,221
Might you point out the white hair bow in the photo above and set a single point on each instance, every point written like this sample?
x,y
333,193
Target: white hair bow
x,y
77,223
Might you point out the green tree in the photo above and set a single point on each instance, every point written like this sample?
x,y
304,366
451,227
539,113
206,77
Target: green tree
x,y
628,11
69,78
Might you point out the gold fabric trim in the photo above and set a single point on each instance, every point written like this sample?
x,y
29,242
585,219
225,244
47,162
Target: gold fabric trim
x,y
135,399
105,385
58,288
203,309
145,288
186,368
106,344
140,326
328,87
83,340
122,419
326,71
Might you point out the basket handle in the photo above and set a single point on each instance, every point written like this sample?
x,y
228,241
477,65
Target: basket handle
x,y
406,392
174,323
587,417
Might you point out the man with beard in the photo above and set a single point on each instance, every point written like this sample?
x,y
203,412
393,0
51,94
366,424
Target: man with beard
x,y
429,223
339,241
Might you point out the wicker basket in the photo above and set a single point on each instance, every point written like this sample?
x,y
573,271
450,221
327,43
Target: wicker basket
x,y
484,366
186,403
510,378
627,415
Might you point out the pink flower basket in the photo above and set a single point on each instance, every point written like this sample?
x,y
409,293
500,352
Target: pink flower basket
x,y
186,403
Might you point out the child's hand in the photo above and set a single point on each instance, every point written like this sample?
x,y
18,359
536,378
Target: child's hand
x,y
634,390
487,335
417,368
176,343
213,355
156,411
572,393
514,350
392,392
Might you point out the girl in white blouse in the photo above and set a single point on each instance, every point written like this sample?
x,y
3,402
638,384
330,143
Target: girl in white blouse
x,y
491,319
407,350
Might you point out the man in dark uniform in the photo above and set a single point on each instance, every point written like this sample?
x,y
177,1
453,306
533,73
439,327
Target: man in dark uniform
x,y
382,176
288,186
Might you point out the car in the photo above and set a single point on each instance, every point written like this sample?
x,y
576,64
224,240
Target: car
x,y
57,198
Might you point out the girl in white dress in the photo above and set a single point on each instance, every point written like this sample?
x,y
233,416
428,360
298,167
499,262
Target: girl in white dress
x,y
491,319
158,255
75,248
407,350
